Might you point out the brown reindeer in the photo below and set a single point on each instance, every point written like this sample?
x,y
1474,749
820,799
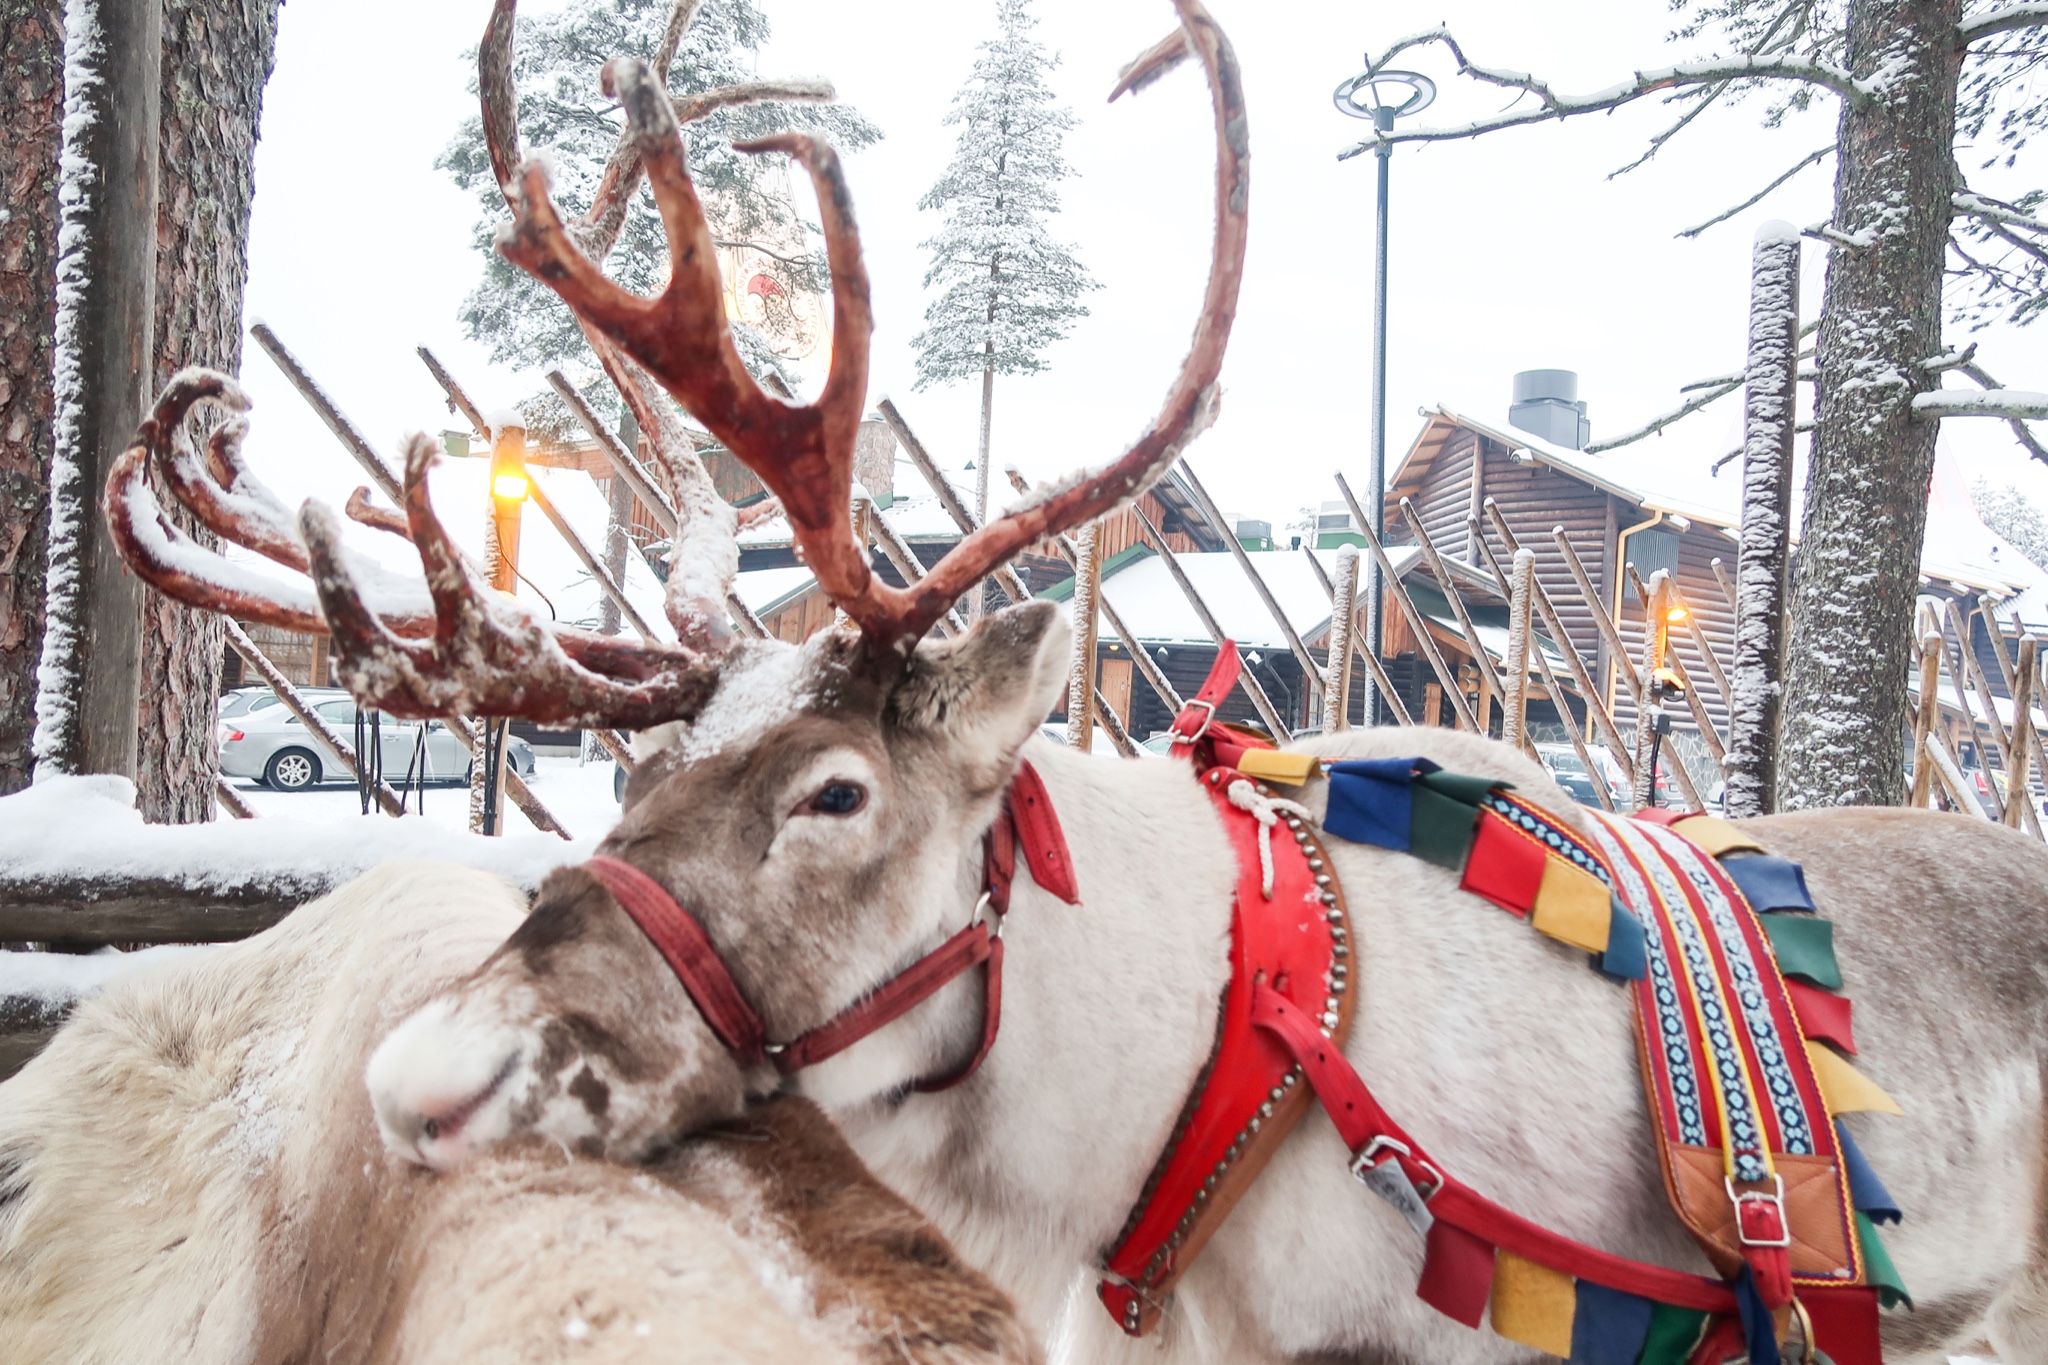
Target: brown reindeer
x,y
822,811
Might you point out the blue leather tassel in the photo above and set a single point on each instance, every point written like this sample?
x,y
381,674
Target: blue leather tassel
x,y
1371,801
1769,883
1866,1192
1608,1326
1758,1331
1628,948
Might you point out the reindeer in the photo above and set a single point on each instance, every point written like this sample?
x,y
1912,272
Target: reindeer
x,y
822,810
191,1172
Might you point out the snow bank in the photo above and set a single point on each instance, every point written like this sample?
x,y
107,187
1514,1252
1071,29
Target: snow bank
x,y
73,828
55,980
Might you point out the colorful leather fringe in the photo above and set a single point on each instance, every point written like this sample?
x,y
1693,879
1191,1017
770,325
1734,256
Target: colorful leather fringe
x,y
1743,1053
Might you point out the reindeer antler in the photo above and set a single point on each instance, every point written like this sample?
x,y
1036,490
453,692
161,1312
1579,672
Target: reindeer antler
x,y
804,453
480,655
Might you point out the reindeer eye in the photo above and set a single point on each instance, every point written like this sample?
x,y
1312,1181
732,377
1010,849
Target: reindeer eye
x,y
838,798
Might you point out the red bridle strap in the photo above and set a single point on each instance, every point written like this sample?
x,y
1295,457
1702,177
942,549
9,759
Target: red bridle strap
x,y
687,949
1026,823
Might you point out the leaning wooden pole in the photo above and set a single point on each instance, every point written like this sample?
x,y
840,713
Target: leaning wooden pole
x,y
1081,679
103,353
1521,584
1924,717
1249,681
1343,625
1387,691
1417,626
2017,797
1770,420
345,431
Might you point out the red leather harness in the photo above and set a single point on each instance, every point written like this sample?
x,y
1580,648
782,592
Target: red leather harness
x,y
1026,824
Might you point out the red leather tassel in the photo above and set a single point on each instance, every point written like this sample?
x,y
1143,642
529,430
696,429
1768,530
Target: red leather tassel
x,y
1457,1273
1845,1324
1505,866
1824,1016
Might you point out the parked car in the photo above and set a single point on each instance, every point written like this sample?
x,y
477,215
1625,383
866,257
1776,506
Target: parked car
x,y
248,700
271,745
1569,773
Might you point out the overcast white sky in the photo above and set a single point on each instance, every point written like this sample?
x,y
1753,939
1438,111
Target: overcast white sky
x,y
1509,253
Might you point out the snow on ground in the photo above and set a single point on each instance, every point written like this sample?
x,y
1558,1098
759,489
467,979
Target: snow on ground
x,y
579,797
83,827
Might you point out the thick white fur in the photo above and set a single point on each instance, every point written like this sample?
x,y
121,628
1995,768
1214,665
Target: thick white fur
x,y
196,1144
1499,1048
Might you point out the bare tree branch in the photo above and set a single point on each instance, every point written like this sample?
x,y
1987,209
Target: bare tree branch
x,y
1555,106
1994,211
2011,404
1679,413
1811,158
2000,21
2020,430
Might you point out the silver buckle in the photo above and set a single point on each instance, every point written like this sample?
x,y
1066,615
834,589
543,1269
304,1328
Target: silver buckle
x,y
1207,721
994,921
1776,1199
1363,1161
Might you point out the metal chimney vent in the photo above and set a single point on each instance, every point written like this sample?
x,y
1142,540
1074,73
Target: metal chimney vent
x,y
1547,404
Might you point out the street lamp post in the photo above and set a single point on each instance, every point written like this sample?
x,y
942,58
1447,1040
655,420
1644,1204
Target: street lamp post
x,y
1381,96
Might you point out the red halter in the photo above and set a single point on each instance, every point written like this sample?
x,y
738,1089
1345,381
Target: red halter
x,y
1026,822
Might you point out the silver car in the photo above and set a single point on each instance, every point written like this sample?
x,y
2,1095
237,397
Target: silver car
x,y
271,745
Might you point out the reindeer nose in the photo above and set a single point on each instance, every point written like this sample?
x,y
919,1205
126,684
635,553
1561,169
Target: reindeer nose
x,y
441,1088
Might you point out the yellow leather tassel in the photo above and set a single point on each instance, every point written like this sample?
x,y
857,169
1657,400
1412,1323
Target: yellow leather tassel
x,y
1847,1090
1573,905
1715,836
1533,1304
1277,765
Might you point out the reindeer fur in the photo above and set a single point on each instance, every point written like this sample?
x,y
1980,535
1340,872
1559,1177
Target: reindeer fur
x,y
1501,1049
190,1173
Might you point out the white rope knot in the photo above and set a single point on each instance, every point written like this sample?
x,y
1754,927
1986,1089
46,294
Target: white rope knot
x,y
1267,810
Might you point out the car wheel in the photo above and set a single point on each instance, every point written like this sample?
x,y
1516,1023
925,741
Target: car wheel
x,y
291,770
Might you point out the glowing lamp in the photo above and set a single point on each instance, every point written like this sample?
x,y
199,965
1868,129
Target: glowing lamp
x,y
1676,614
509,487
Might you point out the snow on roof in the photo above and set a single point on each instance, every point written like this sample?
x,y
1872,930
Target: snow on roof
x,y
560,588
915,515
1152,604
80,828
768,590
1679,478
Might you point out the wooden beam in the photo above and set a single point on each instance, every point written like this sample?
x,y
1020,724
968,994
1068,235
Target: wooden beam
x,y
1360,652
1262,703
1343,625
1424,642
1521,579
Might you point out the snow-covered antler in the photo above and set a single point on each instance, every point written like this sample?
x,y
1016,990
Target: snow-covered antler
x,y
804,453
449,646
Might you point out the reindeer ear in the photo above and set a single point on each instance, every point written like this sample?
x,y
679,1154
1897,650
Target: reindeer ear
x,y
991,687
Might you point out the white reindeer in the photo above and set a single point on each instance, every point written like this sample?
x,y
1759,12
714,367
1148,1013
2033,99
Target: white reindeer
x,y
822,810
190,1174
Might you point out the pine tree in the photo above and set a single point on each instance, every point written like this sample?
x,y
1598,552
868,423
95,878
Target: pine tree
x,y
556,62
1009,289
2013,515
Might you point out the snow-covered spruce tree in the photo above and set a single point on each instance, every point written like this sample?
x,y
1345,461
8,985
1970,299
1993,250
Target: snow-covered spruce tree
x,y
1917,84
2013,515
1007,289
562,111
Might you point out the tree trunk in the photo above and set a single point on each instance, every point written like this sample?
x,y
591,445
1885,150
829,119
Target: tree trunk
x,y
31,114
216,59
1770,422
1866,494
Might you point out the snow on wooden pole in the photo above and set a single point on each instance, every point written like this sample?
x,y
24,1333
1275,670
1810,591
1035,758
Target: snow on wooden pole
x,y
1214,516
231,800
1770,417
1343,625
1481,660
1388,693
1081,681
2035,749
1923,717
1521,584
102,358
2017,798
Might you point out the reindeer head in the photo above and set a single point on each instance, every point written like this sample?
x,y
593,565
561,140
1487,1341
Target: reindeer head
x,y
817,808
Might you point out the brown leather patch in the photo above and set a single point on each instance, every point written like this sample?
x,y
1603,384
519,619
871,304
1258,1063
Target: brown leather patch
x,y
1820,1245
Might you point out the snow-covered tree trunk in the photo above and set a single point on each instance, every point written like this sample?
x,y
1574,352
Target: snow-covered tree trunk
x,y
1770,420
216,59
1866,493
618,537
31,129
1087,624
100,357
